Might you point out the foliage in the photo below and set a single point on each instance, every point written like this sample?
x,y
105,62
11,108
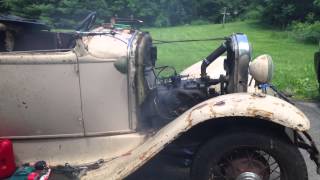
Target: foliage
x,y
253,13
308,32
67,13
283,12
58,13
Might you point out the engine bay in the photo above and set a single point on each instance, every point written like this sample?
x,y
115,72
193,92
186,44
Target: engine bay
x,y
171,95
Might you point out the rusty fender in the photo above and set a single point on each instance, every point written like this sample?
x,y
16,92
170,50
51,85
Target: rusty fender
x,y
241,104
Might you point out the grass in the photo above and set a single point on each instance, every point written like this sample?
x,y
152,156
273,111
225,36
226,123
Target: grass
x,y
294,71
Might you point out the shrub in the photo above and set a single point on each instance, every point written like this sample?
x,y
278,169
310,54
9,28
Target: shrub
x,y
162,21
253,14
307,32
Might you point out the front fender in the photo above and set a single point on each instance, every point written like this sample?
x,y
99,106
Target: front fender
x,y
264,107
232,105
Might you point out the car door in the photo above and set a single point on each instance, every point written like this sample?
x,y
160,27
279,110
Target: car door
x,y
104,93
104,90
40,95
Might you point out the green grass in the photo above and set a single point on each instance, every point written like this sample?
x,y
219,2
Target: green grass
x,y
293,60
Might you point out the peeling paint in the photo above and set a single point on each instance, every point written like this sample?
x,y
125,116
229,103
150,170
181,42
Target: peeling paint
x,y
260,113
258,95
144,155
189,120
301,114
220,103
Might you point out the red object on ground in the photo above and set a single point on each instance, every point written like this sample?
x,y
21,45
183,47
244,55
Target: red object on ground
x,y
33,176
7,162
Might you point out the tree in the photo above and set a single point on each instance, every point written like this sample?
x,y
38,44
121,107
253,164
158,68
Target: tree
x,y
283,12
68,13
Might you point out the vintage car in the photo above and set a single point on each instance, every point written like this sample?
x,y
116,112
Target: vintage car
x,y
96,97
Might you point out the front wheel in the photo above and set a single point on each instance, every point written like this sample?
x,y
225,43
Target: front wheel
x,y
248,156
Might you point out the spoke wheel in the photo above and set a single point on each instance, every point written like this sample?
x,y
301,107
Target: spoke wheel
x,y
247,164
248,156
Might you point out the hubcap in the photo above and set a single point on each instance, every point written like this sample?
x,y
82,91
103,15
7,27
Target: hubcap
x,y
248,176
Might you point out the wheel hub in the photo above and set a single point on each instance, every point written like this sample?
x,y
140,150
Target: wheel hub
x,y
248,176
244,167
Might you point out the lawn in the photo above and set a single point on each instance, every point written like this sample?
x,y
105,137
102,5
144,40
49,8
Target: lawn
x,y
293,60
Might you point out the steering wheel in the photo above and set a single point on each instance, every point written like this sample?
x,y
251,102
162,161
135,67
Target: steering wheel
x,y
87,22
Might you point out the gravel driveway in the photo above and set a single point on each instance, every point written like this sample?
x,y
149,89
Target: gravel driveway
x,y
166,168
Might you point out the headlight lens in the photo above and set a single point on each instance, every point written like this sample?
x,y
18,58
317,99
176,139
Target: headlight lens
x,y
261,68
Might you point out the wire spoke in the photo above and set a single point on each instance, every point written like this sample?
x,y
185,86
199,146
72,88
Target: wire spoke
x,y
214,175
278,177
274,170
247,160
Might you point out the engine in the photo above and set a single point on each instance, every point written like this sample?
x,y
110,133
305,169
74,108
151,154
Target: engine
x,y
175,94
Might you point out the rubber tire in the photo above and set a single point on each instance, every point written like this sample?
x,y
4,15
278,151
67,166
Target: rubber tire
x,y
286,154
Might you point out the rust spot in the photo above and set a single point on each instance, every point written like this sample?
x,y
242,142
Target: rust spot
x,y
127,154
258,95
144,155
260,113
189,121
220,103
301,114
212,111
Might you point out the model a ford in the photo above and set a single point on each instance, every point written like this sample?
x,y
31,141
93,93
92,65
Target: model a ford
x,y
96,95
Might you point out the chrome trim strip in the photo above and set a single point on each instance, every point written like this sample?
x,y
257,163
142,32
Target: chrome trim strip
x,y
63,136
131,91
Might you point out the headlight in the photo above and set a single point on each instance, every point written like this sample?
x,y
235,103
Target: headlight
x,y
261,68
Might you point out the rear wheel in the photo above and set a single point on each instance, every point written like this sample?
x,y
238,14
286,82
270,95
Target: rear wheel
x,y
248,156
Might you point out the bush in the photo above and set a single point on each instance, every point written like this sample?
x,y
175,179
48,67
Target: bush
x,y
253,14
162,21
306,32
